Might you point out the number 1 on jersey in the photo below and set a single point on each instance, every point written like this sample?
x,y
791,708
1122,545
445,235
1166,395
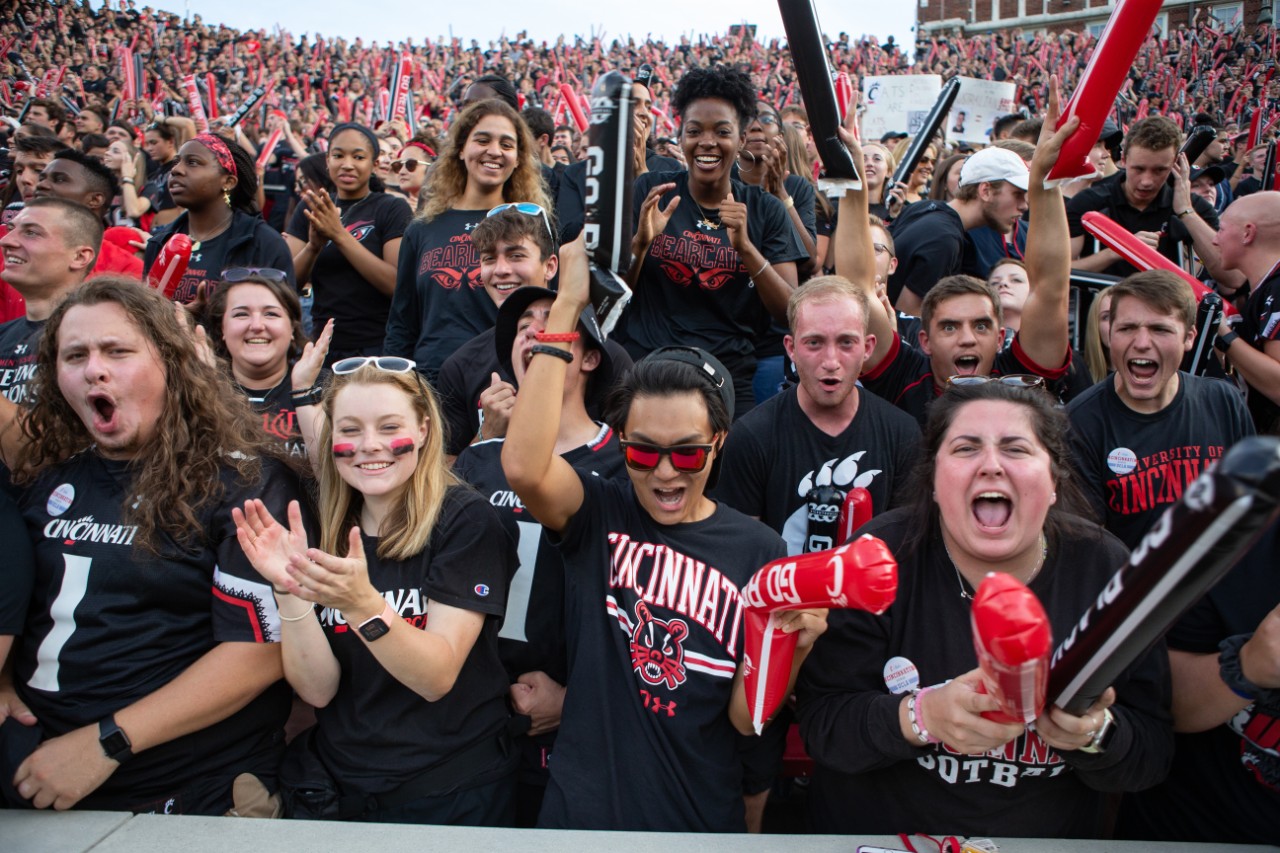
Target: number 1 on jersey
x,y
75,582
513,626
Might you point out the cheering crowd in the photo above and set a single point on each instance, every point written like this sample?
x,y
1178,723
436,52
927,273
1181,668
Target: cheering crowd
x,y
360,513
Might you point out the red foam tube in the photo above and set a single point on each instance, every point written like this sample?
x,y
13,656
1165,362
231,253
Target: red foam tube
x,y
1103,76
265,154
854,512
862,575
1125,244
570,98
170,264
195,104
399,98
1012,638
844,93
211,83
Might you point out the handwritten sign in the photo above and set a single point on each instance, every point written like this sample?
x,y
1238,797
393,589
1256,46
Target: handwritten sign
x,y
978,105
898,103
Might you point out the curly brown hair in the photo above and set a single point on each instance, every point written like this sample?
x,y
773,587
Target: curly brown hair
x,y
449,176
204,428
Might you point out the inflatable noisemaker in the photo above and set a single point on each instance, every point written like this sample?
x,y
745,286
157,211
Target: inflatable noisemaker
x,y
932,122
862,575
854,512
1124,243
264,156
195,104
607,213
1103,76
1196,142
1012,638
809,55
238,116
1189,549
570,98
170,265
1208,316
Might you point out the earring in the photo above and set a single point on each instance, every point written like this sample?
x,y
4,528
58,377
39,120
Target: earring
x,y
1053,498
226,196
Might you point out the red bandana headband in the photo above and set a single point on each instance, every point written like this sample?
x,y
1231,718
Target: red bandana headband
x,y
221,152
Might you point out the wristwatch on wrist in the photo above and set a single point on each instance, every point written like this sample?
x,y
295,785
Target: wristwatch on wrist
x,y
1182,214
1102,737
115,743
1222,343
378,626
309,397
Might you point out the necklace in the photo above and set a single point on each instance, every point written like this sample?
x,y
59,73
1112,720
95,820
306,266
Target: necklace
x,y
705,223
964,594
195,245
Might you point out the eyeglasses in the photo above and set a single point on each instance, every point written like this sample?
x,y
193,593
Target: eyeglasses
x,y
766,118
685,458
408,165
528,208
385,363
881,249
1013,380
235,275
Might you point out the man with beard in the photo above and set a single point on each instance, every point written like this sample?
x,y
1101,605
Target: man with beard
x,y
932,237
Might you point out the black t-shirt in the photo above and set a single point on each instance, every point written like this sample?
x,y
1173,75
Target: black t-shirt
x,y
341,293
17,570
1107,196
694,290
19,343
206,266
1133,465
156,189
440,303
110,623
645,739
905,376
280,415
469,371
532,637
376,733
774,455
1225,782
870,780
1261,324
931,243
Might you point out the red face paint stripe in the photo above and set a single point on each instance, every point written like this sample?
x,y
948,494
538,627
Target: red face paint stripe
x,y
399,446
344,451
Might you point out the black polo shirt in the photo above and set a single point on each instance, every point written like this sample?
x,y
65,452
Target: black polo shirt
x,y
1107,196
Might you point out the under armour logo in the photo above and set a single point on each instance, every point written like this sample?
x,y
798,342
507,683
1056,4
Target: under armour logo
x,y
20,349
469,226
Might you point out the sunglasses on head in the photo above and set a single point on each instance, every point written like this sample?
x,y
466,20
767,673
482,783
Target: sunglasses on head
x,y
385,363
685,458
528,208
235,275
1013,380
409,166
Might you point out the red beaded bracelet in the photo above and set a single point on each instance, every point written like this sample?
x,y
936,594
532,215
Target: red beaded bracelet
x,y
557,337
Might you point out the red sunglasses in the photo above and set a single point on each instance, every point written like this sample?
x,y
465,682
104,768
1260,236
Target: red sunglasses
x,y
685,458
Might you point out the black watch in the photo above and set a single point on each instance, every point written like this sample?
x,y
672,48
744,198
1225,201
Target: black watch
x,y
310,397
1222,343
115,743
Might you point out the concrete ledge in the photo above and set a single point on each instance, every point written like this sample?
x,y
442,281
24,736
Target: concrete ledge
x,y
109,832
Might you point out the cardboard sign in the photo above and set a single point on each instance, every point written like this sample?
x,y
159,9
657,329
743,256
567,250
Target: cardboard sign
x,y
897,103
978,105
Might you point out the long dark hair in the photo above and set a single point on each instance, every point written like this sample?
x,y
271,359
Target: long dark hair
x,y
205,426
1050,426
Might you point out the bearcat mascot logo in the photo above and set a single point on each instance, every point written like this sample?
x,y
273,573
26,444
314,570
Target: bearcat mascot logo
x,y
656,649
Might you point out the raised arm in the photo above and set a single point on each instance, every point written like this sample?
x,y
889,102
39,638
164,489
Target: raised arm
x,y
855,258
548,485
1044,334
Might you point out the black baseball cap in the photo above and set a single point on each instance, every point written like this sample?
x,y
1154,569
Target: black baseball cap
x,y
710,368
504,332
1213,172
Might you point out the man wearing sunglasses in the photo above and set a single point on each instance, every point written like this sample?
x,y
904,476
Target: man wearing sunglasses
x,y
532,641
477,387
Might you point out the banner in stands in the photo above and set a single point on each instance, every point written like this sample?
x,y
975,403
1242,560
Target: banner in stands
x,y
898,103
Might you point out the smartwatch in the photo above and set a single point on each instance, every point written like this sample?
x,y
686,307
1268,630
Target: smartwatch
x,y
115,743
1222,343
378,626
1101,738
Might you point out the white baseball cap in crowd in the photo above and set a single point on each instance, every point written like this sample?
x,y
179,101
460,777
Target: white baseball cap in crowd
x,y
995,164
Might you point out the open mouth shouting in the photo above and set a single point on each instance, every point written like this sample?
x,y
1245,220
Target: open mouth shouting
x,y
992,511
104,412
967,365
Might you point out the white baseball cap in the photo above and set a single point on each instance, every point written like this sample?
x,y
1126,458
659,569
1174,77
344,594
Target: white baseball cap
x,y
995,164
